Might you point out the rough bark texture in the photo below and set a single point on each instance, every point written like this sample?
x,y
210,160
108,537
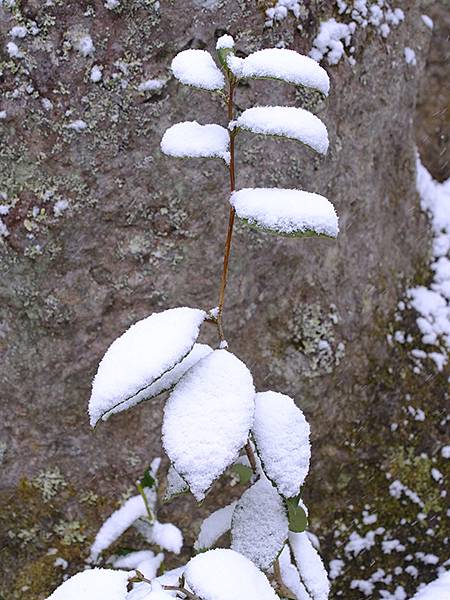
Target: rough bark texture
x,y
143,232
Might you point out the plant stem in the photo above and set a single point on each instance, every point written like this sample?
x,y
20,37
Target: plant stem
x,y
250,456
183,590
226,256
141,490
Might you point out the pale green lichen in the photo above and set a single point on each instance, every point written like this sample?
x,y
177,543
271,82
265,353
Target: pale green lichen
x,y
50,483
70,532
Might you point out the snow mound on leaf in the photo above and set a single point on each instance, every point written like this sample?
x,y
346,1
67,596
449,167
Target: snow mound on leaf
x,y
214,526
95,584
260,524
141,355
287,65
310,566
285,211
290,576
207,419
286,121
197,68
227,575
192,140
167,536
144,561
439,589
281,434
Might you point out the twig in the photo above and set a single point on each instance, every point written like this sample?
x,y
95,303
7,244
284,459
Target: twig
x,y
183,590
250,456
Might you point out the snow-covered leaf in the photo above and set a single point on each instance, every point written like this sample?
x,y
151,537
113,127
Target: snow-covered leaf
x,y
310,566
286,121
167,536
143,591
285,65
223,574
120,520
286,212
140,357
298,519
214,526
176,485
192,140
144,561
290,576
259,527
198,69
225,48
94,584
207,419
281,434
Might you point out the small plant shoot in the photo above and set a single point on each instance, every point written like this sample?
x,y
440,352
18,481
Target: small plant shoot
x,y
214,419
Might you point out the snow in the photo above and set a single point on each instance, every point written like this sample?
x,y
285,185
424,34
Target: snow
x,y
259,527
167,536
117,524
112,4
433,303
13,50
284,211
18,31
286,121
214,526
279,11
96,74
439,589
428,21
290,576
77,125
144,561
281,434
331,41
94,584
223,574
410,56
286,65
225,41
151,85
207,419
175,483
165,382
140,356
310,566
198,69
3,114
85,45
60,206
445,452
192,140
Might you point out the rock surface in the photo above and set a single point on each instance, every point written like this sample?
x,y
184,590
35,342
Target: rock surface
x,y
104,229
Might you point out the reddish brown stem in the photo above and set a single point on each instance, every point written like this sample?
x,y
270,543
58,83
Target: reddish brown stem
x,y
227,251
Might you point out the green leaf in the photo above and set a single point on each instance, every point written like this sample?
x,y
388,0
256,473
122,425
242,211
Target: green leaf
x,y
223,54
298,521
148,481
243,472
308,233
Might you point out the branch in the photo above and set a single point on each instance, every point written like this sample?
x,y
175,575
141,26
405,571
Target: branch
x,y
183,590
251,456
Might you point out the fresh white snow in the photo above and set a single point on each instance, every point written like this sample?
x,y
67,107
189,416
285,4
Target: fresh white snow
x,y
225,41
286,121
410,56
286,65
117,524
94,584
145,352
192,140
167,536
144,561
310,566
284,211
214,526
223,574
281,434
96,74
332,40
18,31
176,485
290,575
198,69
259,526
151,85
207,419
165,382
77,125
439,589
428,21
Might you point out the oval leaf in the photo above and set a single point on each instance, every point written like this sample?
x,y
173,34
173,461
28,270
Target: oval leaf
x,y
281,434
192,140
95,584
139,357
286,121
298,519
286,212
214,526
284,65
290,577
310,566
198,69
176,485
207,419
259,527
223,574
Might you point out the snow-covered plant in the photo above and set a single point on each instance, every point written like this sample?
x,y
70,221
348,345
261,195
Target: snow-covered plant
x,y
213,419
